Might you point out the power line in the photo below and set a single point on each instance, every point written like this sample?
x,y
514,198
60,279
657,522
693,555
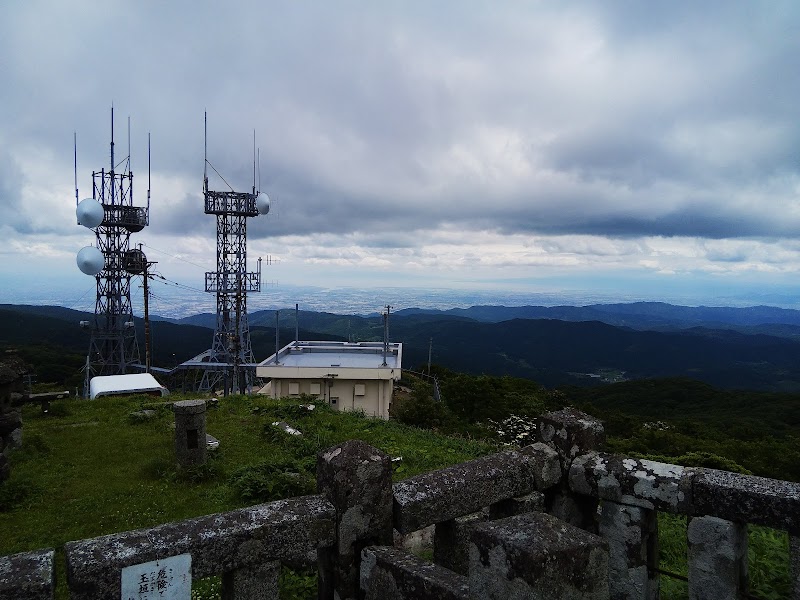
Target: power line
x,y
175,256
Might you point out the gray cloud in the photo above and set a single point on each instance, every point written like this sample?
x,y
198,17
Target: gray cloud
x,y
380,126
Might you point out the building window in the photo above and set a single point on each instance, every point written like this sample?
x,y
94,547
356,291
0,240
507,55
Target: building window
x,y
315,389
360,389
294,388
334,399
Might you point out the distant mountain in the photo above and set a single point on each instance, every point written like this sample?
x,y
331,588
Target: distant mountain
x,y
655,316
558,352
729,348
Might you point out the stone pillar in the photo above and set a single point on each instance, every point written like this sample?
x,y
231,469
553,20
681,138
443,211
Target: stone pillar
x,y
632,536
571,433
10,438
357,479
190,432
451,542
539,557
717,558
252,583
794,555
12,371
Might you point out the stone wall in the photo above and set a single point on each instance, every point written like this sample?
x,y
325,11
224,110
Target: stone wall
x,y
493,535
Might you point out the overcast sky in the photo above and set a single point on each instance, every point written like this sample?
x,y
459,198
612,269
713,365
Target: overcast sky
x,y
522,145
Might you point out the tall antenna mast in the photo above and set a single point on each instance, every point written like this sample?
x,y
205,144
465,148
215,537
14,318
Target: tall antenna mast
x,y
231,349
112,215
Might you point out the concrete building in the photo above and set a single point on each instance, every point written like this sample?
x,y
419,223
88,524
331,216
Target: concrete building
x,y
346,375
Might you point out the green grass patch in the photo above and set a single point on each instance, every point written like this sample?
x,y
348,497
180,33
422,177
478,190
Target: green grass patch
x,y
88,468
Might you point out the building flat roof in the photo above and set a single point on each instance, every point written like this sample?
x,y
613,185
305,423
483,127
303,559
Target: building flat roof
x,y
106,385
355,355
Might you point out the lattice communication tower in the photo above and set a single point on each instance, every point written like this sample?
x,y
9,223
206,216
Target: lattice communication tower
x,y
230,361
113,348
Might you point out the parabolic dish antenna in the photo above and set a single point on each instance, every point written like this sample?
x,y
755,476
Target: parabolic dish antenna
x,y
262,203
90,260
90,213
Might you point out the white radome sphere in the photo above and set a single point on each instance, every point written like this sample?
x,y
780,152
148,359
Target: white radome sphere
x,y
90,213
90,260
262,203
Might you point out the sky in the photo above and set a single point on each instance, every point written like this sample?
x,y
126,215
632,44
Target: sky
x,y
629,147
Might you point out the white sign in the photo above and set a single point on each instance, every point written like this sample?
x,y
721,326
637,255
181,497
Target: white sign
x,y
167,579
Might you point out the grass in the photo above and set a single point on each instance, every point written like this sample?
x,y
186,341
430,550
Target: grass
x,y
88,469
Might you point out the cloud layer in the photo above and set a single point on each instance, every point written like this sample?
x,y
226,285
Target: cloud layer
x,y
413,141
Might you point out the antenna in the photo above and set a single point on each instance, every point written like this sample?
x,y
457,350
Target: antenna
x,y
148,176
231,281
205,151
129,142
75,148
113,348
112,141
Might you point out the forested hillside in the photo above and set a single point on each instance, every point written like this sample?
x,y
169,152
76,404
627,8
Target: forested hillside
x,y
549,351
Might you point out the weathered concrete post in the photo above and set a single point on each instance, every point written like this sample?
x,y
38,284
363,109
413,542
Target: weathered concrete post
x,y
794,555
717,558
632,535
536,556
570,433
190,432
357,479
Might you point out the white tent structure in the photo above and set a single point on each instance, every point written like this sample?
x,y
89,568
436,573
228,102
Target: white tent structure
x,y
123,385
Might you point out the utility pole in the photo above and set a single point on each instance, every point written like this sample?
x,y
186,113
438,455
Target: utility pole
x,y
147,342
386,334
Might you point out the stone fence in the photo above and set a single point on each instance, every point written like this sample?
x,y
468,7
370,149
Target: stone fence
x,y
557,519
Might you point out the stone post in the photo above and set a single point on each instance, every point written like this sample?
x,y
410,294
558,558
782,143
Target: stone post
x,y
190,432
570,433
357,479
794,556
252,583
12,371
632,536
717,558
539,557
451,541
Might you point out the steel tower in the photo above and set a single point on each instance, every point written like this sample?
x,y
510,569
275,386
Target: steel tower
x,y
113,347
230,360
